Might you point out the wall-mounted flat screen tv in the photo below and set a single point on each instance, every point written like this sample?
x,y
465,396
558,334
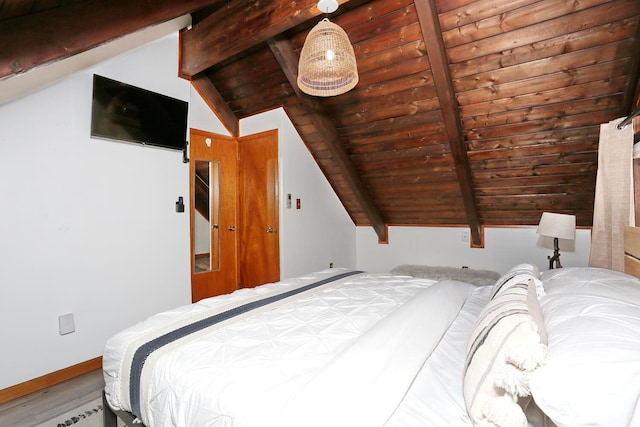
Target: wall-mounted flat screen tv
x,y
127,113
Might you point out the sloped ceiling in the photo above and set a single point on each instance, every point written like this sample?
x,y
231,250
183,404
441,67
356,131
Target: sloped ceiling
x,y
477,113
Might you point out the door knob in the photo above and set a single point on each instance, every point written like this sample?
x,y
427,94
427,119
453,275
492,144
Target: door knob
x,y
269,230
231,228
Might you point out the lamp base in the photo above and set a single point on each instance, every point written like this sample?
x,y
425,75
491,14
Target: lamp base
x,y
554,261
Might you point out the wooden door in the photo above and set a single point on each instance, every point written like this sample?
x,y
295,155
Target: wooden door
x,y
259,243
213,171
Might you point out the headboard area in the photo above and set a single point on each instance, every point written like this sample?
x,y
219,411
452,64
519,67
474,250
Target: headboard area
x,y
632,250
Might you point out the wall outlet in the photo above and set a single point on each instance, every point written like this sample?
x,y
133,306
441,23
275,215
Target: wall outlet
x,y
66,324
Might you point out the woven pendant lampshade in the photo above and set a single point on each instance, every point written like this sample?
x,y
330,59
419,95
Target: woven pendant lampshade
x,y
327,65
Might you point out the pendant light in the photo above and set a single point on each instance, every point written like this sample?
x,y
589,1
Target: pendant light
x,y
327,65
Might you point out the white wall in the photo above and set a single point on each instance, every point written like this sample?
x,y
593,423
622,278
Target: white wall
x,y
89,226
443,246
320,232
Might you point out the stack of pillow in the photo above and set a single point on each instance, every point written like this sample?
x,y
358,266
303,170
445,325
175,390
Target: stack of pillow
x,y
507,344
586,373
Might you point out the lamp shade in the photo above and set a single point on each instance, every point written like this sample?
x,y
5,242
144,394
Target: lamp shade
x,y
557,225
327,65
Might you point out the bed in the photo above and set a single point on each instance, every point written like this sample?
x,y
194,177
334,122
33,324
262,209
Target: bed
x,y
350,348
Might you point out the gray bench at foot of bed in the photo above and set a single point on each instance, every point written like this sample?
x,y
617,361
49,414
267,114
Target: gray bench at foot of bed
x,y
475,277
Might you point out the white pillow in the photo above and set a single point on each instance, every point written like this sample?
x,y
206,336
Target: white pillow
x,y
521,273
503,349
592,375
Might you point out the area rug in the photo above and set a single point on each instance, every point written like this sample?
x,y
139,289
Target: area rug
x,y
87,415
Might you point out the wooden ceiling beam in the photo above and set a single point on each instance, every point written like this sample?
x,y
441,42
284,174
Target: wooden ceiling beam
x,y
238,26
216,103
432,34
35,39
288,60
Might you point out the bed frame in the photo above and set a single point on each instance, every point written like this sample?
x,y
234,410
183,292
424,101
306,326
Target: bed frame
x,y
110,417
632,251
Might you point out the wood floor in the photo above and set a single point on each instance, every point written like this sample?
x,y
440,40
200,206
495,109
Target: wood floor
x,y
35,408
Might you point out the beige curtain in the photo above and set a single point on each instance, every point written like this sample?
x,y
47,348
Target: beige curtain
x,y
613,207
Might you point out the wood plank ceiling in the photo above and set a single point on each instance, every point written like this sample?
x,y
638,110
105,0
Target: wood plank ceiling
x,y
467,112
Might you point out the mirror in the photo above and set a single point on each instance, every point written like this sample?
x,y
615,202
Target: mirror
x,y
206,213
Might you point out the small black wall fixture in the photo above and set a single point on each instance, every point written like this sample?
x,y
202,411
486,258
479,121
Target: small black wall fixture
x,y
185,157
180,205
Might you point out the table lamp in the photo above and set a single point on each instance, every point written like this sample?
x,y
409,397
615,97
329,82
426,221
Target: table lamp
x,y
558,226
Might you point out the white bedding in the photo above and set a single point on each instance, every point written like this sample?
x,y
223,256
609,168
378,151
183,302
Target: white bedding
x,y
592,377
345,353
372,350
441,376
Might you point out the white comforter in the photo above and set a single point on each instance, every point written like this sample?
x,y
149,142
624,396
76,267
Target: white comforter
x,y
435,398
343,354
